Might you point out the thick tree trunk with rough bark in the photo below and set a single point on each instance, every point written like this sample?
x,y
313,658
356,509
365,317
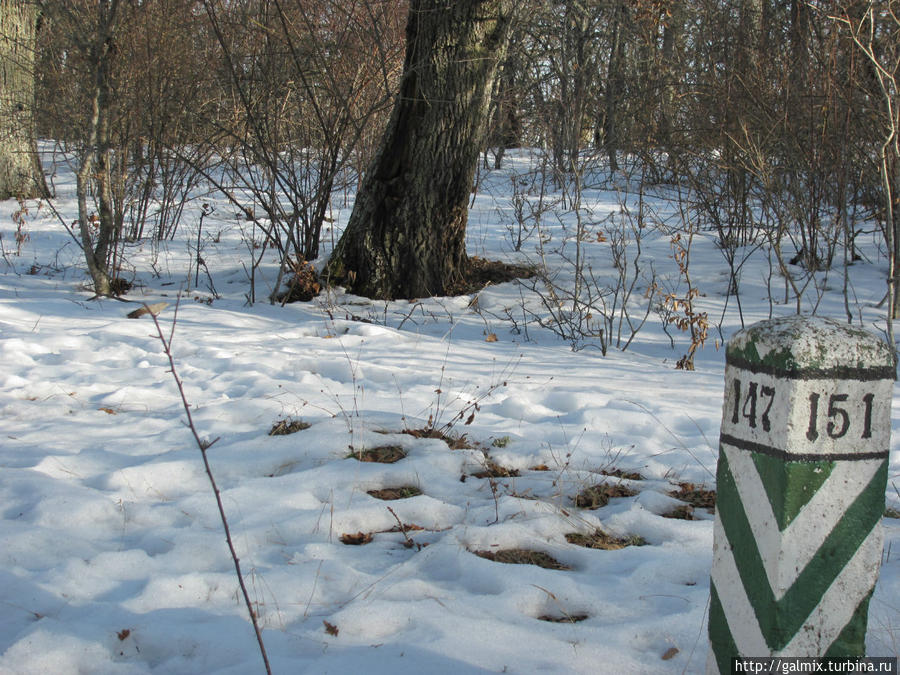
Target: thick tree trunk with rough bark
x,y
406,235
20,172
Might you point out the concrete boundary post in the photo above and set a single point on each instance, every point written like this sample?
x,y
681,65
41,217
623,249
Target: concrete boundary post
x,y
802,472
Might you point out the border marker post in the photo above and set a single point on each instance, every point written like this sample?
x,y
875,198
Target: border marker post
x,y
802,472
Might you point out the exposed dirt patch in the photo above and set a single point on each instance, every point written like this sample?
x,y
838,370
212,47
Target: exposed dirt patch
x,y
603,541
455,442
521,556
402,492
361,538
385,454
288,426
563,618
619,473
695,495
480,272
683,512
405,527
598,496
493,470
119,286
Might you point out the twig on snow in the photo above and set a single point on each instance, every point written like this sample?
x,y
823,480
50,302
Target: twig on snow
x,y
204,445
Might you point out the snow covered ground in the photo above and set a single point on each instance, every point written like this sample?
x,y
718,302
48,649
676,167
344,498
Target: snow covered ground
x,y
112,555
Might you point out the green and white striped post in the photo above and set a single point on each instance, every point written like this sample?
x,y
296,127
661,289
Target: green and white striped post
x,y
803,459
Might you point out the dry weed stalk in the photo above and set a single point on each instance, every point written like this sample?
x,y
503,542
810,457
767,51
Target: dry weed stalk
x,y
204,445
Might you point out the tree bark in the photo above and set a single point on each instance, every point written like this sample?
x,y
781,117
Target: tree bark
x,y
20,171
672,48
406,234
615,85
99,232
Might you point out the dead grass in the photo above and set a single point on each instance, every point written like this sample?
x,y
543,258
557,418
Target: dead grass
x,y
493,470
619,473
695,495
565,618
455,442
362,538
405,527
606,542
599,495
384,454
390,494
287,426
303,284
521,556
683,512
481,272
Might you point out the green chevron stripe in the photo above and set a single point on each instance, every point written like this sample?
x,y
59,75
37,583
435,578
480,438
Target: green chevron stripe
x,y
779,620
723,645
854,633
790,485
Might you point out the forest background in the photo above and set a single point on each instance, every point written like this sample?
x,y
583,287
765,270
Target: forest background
x,y
656,175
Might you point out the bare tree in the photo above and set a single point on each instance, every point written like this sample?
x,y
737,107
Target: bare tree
x,y
309,80
20,170
873,28
609,131
115,76
99,230
406,235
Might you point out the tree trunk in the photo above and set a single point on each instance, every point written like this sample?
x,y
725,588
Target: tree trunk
x,y
406,235
100,232
615,85
669,68
20,172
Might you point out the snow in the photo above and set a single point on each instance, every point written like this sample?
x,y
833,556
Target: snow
x,y
112,554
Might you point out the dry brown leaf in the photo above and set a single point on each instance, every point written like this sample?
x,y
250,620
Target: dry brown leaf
x,y
670,653
491,337
330,628
357,539
153,309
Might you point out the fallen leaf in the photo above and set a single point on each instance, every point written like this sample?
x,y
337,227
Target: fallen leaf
x,y
153,309
492,337
330,628
670,653
108,411
356,539
123,634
